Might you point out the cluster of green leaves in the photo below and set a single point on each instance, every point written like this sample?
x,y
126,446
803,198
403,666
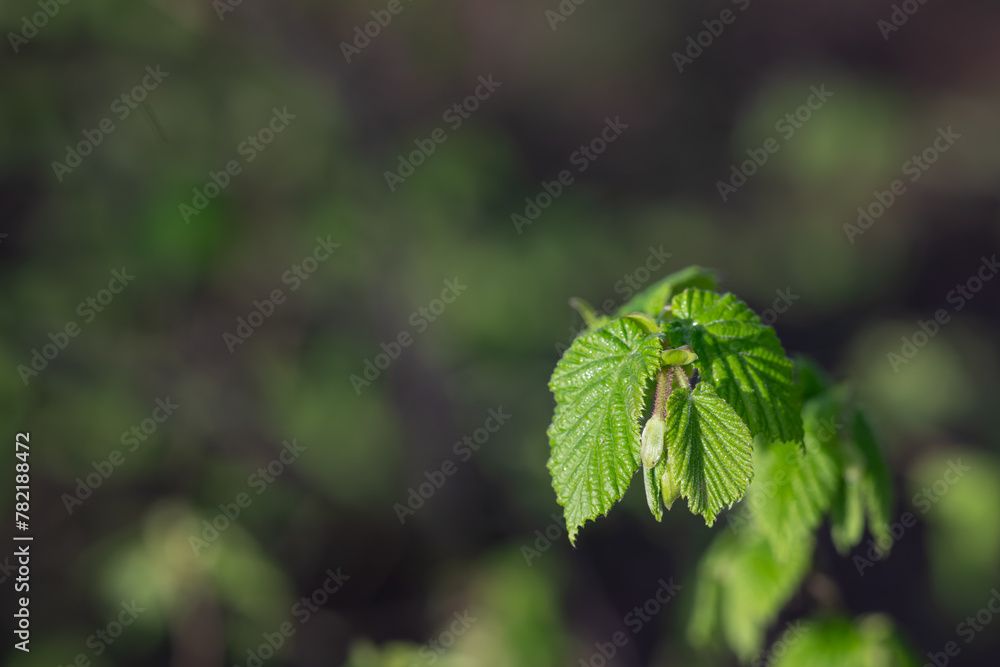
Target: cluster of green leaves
x,y
722,377
837,472
731,416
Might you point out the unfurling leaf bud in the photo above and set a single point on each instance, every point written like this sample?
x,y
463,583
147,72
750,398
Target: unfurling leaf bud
x,y
669,488
682,356
652,441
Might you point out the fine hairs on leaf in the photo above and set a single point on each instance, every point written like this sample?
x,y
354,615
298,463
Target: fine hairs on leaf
x,y
692,387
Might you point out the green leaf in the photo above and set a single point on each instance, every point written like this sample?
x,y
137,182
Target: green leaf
x,y
709,450
654,491
600,388
824,423
758,586
645,321
703,625
792,489
741,586
742,358
790,492
654,298
870,642
820,466
682,356
877,484
866,489
669,491
847,515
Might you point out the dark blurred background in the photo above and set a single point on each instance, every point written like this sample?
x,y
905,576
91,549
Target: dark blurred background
x,y
207,84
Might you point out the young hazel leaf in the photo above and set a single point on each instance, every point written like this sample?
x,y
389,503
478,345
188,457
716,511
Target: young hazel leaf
x,y
682,356
847,514
742,358
669,491
699,444
741,586
790,492
652,300
660,488
654,490
871,641
600,388
709,450
879,495
841,435
866,490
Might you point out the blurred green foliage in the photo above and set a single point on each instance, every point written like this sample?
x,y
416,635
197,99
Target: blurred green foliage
x,y
496,345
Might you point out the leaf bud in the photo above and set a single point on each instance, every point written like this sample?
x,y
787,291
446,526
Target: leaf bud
x,y
652,441
682,356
